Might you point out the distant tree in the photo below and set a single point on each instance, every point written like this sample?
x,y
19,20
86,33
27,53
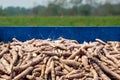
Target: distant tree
x,y
24,11
35,11
2,12
66,8
76,3
85,10
16,11
53,10
107,9
60,3
66,3
38,10
116,9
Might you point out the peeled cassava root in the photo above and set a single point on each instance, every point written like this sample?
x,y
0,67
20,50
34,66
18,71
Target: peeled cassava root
x,y
61,59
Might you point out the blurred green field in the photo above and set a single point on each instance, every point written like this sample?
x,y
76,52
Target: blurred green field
x,y
59,21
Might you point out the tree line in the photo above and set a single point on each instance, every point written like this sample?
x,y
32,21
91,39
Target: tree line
x,y
60,9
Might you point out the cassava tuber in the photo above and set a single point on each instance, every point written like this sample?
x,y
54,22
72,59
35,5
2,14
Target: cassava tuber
x,y
61,59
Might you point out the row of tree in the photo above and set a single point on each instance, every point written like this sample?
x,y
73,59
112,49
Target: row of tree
x,y
57,8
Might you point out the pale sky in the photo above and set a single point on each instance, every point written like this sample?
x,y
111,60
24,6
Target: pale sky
x,y
32,3
22,3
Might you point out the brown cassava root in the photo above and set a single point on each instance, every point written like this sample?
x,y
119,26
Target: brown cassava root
x,y
61,59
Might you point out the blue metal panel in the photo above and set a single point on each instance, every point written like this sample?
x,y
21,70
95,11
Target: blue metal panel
x,y
78,33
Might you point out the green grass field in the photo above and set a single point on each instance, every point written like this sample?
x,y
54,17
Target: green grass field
x,y
60,21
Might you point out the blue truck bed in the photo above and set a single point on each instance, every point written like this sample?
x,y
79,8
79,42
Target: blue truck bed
x,y
78,33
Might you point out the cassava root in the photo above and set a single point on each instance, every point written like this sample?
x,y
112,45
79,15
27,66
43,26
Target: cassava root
x,y
61,59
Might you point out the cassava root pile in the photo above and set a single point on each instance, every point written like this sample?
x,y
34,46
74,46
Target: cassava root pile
x,y
61,59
